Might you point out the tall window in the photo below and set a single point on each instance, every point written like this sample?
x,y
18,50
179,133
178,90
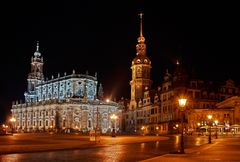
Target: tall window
x,y
89,123
64,123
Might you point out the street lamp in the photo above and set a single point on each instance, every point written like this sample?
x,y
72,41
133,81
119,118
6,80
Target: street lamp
x,y
182,103
51,128
198,128
113,118
12,120
142,128
157,130
216,123
176,127
209,126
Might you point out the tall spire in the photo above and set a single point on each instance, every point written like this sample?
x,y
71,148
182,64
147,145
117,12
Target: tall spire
x,y
141,69
140,15
36,65
141,38
37,53
37,46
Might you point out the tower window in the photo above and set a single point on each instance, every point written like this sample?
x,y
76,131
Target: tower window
x,y
64,123
89,123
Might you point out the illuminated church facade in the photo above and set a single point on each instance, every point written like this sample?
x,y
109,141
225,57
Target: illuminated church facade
x,y
66,102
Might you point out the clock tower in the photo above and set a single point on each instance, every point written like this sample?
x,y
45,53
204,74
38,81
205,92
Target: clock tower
x,y
35,77
141,68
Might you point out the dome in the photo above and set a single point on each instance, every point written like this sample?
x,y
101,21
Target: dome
x,y
37,54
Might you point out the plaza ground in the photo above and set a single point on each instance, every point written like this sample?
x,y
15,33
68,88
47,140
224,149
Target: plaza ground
x,y
31,142
225,148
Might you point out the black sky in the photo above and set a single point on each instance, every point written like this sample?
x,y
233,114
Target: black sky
x,y
100,36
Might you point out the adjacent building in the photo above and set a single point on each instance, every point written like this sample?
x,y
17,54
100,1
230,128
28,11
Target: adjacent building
x,y
156,111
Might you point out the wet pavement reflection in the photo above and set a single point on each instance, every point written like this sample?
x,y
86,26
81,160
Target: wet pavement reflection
x,y
108,153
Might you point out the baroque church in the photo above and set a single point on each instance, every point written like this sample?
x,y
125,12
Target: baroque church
x,y
69,102
156,111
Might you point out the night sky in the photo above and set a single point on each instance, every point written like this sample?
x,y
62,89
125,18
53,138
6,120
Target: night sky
x,y
100,36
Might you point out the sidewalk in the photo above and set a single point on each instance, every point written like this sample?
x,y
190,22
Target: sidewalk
x,y
224,149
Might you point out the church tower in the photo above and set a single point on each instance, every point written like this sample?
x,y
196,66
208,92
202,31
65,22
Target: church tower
x,y
35,77
141,68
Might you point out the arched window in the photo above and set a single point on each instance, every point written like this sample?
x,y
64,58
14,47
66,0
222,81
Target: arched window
x,y
89,124
64,123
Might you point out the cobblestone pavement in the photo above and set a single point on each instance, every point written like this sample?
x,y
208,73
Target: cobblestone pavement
x,y
224,149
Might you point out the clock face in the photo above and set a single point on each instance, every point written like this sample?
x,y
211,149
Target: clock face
x,y
76,112
139,72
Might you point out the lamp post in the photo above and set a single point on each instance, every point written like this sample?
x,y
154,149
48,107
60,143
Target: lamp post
x,y
12,120
216,123
182,103
177,127
113,118
209,127
143,130
51,128
157,130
